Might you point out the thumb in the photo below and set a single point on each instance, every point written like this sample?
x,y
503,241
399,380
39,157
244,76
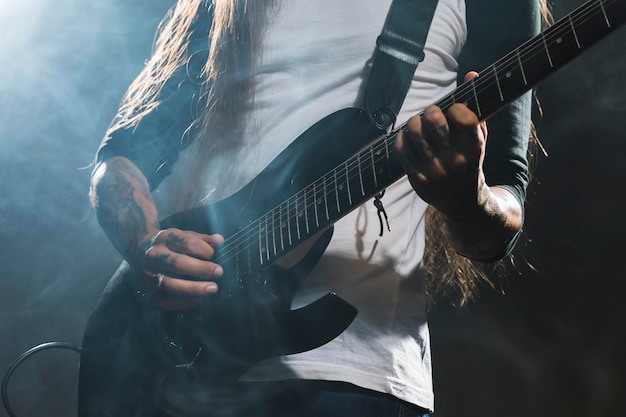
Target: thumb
x,y
470,75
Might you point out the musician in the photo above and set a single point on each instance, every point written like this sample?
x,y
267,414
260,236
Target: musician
x,y
208,113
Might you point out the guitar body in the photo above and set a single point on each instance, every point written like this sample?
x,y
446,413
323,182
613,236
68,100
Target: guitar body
x,y
138,359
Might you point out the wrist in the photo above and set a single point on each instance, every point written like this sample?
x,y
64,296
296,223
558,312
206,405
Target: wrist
x,y
469,208
144,243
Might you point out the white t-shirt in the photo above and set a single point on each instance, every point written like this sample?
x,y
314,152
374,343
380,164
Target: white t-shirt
x,y
314,60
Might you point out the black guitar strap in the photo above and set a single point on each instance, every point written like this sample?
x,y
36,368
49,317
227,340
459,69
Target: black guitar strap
x,y
399,48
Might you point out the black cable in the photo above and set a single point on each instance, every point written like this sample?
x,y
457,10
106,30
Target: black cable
x,y
22,358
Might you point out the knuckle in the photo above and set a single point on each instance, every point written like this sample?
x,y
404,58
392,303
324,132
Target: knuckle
x,y
161,236
192,245
199,247
174,261
149,252
433,114
414,126
160,233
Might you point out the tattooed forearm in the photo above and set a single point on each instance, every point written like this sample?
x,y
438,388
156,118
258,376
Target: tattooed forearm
x,y
134,173
123,205
119,213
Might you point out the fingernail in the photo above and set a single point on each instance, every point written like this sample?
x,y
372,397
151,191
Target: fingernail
x,y
211,288
218,272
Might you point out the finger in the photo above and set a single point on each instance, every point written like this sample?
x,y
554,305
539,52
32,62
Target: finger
x,y
483,125
178,294
161,259
417,141
470,75
186,288
213,240
407,155
435,129
188,242
464,123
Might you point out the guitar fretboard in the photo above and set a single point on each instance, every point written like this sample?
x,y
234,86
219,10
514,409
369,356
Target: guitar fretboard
x,y
524,67
374,168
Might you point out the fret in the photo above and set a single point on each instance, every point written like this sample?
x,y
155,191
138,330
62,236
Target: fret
x,y
298,216
591,24
380,162
315,204
606,18
281,227
473,84
495,75
348,185
503,81
306,213
289,224
545,46
273,214
537,61
266,240
259,245
571,23
326,199
360,171
331,196
262,240
463,95
614,10
562,43
374,167
521,67
336,190
387,156
396,170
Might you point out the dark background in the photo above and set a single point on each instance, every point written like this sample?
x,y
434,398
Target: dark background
x,y
550,343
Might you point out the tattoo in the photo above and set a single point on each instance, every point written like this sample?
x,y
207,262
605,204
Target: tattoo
x,y
118,211
444,136
163,259
134,174
174,239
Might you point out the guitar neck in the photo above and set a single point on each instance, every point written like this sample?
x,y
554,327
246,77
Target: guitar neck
x,y
539,57
375,167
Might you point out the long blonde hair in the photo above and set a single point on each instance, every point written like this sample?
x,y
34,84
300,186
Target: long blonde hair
x,y
226,89
453,277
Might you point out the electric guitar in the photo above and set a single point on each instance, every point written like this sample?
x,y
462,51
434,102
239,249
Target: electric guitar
x,y
335,166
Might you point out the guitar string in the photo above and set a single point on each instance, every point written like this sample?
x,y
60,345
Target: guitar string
x,y
250,233
531,48
553,36
255,227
